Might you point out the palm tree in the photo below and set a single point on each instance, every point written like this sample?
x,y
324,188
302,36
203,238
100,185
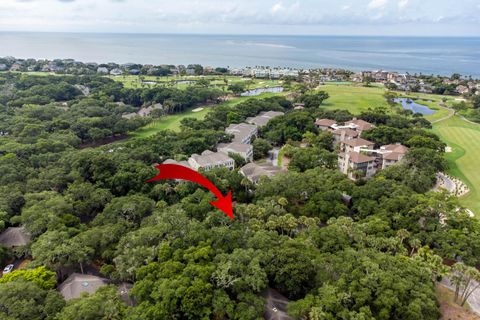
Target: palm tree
x,y
415,244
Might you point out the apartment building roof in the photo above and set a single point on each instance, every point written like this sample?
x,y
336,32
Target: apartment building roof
x,y
325,122
235,147
398,148
263,118
358,142
362,125
241,130
356,157
209,158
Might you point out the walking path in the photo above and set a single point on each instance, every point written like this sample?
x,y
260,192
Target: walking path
x,y
451,113
276,307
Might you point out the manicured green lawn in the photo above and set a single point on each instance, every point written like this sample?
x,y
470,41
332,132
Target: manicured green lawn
x,y
464,138
432,101
352,97
357,98
131,81
172,122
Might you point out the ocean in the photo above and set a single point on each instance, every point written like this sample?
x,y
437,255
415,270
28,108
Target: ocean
x,y
428,55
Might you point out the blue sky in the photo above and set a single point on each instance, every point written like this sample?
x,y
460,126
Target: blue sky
x,y
334,17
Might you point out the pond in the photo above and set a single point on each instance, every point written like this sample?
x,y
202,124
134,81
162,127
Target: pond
x,y
409,104
259,91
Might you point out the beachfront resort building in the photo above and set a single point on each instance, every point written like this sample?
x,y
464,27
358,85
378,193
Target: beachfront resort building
x,y
358,157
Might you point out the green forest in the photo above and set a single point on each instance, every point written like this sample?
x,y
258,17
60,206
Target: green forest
x,y
336,249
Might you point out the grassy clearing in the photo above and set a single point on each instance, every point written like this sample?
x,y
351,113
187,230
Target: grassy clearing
x,y
464,138
353,97
172,122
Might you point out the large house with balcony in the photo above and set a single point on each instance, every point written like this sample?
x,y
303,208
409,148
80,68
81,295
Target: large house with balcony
x,y
356,145
356,165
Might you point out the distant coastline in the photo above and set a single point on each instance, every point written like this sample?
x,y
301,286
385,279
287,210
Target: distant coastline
x,y
428,55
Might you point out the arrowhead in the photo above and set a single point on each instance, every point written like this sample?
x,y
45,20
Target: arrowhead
x,y
225,204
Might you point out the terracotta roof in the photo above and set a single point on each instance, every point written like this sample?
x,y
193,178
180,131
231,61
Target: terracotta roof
x,y
393,156
325,122
356,157
348,132
358,142
361,124
398,148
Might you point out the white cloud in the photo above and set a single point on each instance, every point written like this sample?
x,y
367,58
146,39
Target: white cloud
x,y
377,4
402,4
277,7
237,16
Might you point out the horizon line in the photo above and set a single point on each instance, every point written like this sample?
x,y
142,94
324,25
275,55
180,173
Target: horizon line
x,y
238,34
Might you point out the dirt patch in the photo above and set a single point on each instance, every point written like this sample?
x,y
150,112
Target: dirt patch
x,y
450,310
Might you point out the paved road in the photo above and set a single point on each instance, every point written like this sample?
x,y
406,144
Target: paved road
x,y
276,307
450,114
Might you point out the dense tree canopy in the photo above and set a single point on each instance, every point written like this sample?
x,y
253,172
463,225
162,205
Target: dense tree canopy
x,y
335,248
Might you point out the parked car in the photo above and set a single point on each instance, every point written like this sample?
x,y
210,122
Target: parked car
x,y
8,269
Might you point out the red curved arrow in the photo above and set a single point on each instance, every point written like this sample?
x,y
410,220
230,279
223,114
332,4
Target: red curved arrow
x,y
175,171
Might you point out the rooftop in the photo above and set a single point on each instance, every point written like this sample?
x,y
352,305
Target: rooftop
x,y
254,171
180,163
241,130
348,132
263,118
78,283
396,156
208,158
235,146
14,237
361,124
356,157
398,148
358,142
325,122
